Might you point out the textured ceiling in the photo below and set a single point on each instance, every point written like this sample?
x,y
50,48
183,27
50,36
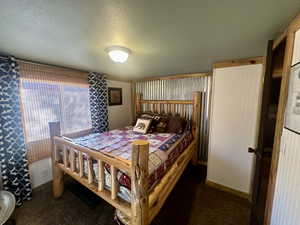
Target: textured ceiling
x,y
165,36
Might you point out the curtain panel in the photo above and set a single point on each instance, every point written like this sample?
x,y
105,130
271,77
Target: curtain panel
x,y
14,164
98,102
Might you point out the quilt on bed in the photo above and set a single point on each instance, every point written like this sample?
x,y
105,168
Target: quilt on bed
x,y
164,149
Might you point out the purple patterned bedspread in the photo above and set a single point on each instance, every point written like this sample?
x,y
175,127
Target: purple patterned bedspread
x,y
163,151
119,142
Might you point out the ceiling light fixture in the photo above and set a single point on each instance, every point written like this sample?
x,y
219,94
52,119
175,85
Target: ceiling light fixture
x,y
118,54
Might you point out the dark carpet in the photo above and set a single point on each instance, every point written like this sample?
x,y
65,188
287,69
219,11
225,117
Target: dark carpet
x,y
190,203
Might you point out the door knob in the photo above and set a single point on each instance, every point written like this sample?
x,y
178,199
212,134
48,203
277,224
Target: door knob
x,y
251,150
255,151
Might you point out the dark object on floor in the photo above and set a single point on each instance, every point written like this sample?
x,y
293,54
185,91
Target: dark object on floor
x,y
10,222
190,203
84,194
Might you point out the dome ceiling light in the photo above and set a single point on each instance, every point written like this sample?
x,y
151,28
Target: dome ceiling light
x,y
118,54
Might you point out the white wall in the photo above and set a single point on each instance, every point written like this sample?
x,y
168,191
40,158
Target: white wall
x,y
234,125
118,116
40,172
286,203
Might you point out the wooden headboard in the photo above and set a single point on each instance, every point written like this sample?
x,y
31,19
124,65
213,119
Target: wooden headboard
x,y
188,109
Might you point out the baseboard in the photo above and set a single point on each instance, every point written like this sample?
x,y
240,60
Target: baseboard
x,y
227,189
48,185
42,187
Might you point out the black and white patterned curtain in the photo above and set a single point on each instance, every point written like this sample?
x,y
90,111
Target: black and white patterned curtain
x,y
14,165
98,102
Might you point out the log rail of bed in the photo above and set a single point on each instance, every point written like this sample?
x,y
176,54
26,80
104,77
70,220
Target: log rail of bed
x,y
144,206
65,154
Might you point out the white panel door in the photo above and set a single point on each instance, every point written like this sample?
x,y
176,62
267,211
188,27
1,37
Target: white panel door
x,y
234,125
286,203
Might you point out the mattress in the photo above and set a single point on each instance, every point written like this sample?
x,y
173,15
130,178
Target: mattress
x,y
164,149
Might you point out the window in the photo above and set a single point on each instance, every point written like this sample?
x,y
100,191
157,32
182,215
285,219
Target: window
x,y
48,102
50,94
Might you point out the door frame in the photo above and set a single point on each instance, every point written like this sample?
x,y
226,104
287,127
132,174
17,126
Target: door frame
x,y
236,63
259,150
289,36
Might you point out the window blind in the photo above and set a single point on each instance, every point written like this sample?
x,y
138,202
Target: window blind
x,y
50,94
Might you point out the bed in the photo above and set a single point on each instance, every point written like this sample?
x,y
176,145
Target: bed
x,y
136,176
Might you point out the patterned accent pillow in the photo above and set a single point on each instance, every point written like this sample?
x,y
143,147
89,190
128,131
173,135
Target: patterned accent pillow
x,y
142,125
176,124
155,119
143,116
162,124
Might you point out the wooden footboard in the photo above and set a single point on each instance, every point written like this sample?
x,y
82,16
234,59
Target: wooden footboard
x,y
69,158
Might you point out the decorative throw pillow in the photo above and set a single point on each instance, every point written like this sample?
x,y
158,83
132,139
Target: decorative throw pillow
x,y
141,115
162,124
155,118
142,125
159,122
147,115
176,124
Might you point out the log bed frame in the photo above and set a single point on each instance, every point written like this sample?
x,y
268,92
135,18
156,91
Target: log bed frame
x,y
144,206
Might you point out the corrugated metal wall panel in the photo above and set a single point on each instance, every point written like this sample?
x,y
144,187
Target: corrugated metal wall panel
x,y
286,205
182,89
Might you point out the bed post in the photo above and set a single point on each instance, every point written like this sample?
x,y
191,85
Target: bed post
x,y
58,184
139,183
196,124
